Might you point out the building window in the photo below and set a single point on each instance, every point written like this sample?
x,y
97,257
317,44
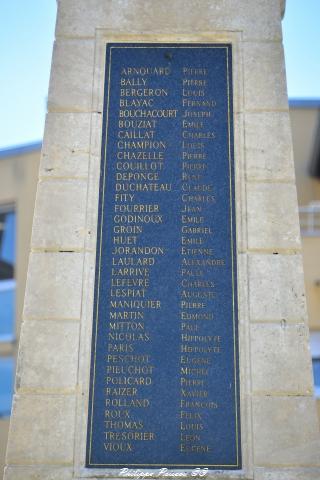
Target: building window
x,y
310,219
316,375
315,353
6,385
7,305
7,280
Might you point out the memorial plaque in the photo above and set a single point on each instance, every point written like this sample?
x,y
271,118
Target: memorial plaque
x,y
164,387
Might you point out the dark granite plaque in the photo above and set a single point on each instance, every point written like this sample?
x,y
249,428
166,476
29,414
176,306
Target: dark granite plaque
x,y
164,387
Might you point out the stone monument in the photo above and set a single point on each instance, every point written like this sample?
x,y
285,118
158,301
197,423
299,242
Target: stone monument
x,y
164,327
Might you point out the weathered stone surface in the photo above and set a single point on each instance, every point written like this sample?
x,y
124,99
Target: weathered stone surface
x,y
240,198
264,76
268,146
59,218
53,287
42,430
92,204
66,143
286,474
285,431
38,473
273,221
70,88
277,351
258,19
96,129
276,288
51,364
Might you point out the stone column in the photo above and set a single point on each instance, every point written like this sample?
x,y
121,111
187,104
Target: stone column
x,y
280,434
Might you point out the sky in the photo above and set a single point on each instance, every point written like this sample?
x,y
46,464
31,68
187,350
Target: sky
x,y
26,38
301,38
